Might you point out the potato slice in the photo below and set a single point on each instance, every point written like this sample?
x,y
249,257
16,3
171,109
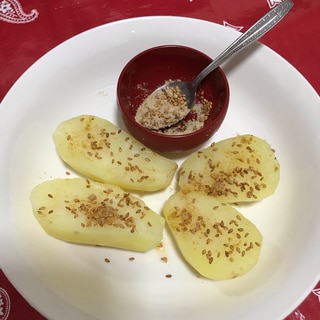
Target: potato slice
x,y
83,211
242,168
213,237
103,152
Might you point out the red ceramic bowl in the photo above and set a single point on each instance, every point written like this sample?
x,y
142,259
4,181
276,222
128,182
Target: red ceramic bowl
x,y
149,70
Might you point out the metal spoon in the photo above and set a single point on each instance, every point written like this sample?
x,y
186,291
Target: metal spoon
x,y
261,27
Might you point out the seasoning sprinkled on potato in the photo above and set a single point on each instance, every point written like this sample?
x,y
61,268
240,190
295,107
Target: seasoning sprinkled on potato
x,y
103,152
217,241
242,168
102,215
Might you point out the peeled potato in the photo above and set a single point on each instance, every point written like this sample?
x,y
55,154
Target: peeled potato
x,y
213,237
82,211
242,168
101,151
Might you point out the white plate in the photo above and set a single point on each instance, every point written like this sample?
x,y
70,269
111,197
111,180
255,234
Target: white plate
x,y
269,98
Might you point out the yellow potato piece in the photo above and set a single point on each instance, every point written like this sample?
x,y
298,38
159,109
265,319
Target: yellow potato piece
x,y
242,168
83,211
213,237
101,151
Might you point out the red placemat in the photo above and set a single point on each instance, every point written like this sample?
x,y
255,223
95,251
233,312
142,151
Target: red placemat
x,y
29,29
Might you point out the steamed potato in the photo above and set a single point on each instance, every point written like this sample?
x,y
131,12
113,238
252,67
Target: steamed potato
x,y
83,211
242,168
101,151
213,237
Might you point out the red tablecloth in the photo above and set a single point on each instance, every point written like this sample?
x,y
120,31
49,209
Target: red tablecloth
x,y
28,29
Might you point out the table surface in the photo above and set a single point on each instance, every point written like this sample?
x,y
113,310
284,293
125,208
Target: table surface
x,y
29,29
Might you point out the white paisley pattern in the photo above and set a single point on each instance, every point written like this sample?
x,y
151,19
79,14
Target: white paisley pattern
x,y
11,11
271,3
4,304
317,293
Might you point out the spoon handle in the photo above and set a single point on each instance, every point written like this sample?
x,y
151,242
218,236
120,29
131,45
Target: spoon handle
x,y
261,27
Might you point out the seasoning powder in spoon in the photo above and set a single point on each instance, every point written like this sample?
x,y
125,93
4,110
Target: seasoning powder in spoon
x,y
162,109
